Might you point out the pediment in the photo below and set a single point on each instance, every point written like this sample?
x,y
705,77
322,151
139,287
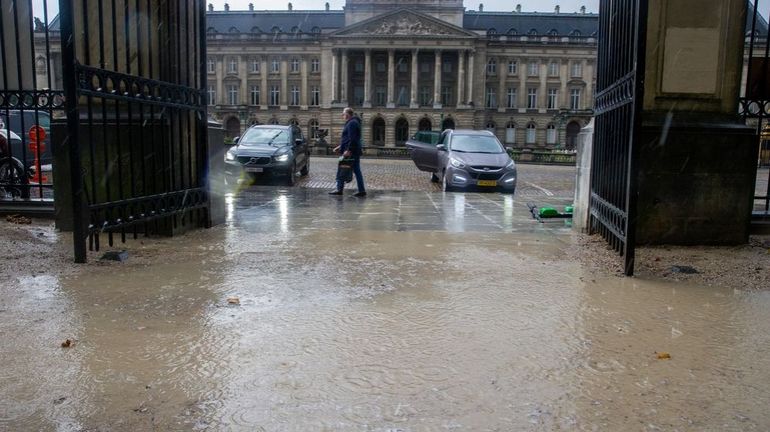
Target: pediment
x,y
403,23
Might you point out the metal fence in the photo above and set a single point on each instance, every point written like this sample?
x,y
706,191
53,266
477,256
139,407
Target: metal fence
x,y
620,78
30,97
134,73
755,100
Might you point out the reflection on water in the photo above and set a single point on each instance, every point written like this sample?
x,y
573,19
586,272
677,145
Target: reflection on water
x,y
347,330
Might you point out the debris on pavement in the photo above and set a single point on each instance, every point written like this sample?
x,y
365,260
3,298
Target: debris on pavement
x,y
664,356
18,219
119,256
67,343
684,269
233,301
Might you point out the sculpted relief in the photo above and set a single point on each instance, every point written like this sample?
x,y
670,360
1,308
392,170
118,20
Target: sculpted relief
x,y
404,26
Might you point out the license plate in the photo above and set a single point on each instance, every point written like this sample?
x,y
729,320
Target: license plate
x,y
253,169
487,183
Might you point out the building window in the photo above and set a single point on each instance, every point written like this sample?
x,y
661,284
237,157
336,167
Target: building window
x,y
212,96
255,95
315,96
358,66
210,65
403,95
313,129
294,95
402,64
379,95
315,65
490,126
232,66
531,133
513,67
358,95
447,67
553,95
510,133
553,69
275,95
532,98
574,99
491,98
380,67
425,67
446,95
255,65
577,70
294,65
492,67
550,136
534,69
511,102
275,66
232,94
425,96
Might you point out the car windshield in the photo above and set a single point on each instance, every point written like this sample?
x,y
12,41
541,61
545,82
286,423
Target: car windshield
x,y
263,136
476,144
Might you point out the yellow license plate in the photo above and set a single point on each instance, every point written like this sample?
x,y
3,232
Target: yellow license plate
x,y
487,183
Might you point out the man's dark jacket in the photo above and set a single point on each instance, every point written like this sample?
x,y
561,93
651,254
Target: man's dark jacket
x,y
351,137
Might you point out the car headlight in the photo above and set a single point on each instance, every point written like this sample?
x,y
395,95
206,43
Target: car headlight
x,y
456,163
229,156
282,158
511,165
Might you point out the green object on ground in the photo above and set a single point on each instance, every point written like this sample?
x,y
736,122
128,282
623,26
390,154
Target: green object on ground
x,y
548,212
568,209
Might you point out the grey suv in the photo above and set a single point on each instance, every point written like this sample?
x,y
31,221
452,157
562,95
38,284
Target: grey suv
x,y
265,150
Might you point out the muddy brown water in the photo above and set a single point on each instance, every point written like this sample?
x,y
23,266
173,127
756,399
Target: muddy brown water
x,y
354,327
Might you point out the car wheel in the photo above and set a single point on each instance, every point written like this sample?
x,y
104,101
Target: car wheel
x,y
292,177
434,178
15,181
446,187
305,169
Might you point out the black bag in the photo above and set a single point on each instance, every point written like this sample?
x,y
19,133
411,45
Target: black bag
x,y
345,170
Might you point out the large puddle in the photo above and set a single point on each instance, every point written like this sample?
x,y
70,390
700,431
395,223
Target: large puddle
x,y
438,322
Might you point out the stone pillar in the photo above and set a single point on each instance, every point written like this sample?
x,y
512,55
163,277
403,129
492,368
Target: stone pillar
x,y
368,78
460,78
522,96
335,77
284,84
502,99
221,97
437,80
564,76
471,55
263,96
391,77
344,78
587,100
542,92
583,178
23,58
413,103
303,95
244,76
697,160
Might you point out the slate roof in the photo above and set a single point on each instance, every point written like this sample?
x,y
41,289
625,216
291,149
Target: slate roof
x,y
523,23
761,26
245,21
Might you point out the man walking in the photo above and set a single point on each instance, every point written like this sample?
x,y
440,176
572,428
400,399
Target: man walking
x,y
350,147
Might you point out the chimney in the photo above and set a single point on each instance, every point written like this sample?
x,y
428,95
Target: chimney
x,y
583,10
290,6
327,6
251,6
227,7
557,9
518,8
211,7
481,7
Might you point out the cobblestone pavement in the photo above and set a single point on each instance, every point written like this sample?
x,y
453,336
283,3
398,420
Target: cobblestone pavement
x,y
402,175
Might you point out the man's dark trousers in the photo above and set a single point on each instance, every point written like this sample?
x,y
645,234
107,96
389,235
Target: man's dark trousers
x,y
357,173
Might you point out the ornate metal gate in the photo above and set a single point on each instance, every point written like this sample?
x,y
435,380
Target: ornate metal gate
x,y
134,73
620,86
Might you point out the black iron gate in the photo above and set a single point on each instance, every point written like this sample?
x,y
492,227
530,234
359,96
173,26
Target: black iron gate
x,y
620,85
30,95
134,71
755,101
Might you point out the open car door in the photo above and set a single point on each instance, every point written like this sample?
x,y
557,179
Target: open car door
x,y
424,155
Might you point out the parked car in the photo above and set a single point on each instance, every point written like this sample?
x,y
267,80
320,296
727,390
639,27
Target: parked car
x,y
268,150
14,178
466,159
19,122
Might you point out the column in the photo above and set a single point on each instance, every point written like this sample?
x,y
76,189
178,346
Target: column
x,y
284,83
391,77
368,79
437,80
522,96
303,95
263,96
460,78
221,98
587,100
502,94
542,93
335,77
244,74
413,100
564,79
471,55
344,78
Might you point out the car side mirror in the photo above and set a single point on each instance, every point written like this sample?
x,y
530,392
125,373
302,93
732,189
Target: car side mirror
x,y
235,140
297,142
441,147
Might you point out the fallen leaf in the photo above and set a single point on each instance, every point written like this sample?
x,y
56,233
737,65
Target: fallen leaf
x,y
67,343
233,300
664,356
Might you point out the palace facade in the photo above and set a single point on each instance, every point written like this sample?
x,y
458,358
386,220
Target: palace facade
x,y
405,65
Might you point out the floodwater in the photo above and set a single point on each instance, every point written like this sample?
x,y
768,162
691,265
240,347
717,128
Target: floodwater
x,y
399,312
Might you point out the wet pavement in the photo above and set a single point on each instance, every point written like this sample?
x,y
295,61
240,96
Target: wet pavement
x,y
403,311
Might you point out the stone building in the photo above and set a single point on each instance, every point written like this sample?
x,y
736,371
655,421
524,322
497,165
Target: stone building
x,y
405,65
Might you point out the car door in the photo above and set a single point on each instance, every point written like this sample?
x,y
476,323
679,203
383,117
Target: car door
x,y
300,150
424,155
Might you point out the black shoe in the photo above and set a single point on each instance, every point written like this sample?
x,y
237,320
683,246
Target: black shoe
x,y
359,194
335,192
